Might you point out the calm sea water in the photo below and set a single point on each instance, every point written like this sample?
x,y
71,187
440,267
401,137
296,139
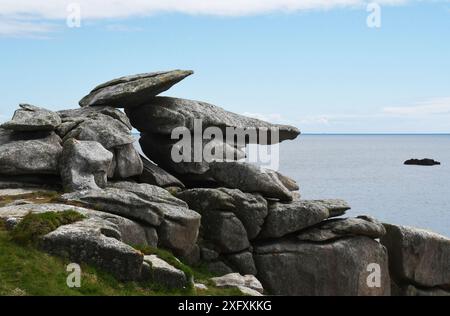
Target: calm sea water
x,y
368,172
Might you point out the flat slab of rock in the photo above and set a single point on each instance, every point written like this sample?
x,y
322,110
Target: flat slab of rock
x,y
154,175
164,274
340,268
339,228
23,153
30,118
237,280
417,256
249,178
250,209
162,115
131,91
84,165
287,218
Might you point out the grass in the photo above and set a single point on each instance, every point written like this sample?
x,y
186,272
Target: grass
x,y
24,270
35,197
33,226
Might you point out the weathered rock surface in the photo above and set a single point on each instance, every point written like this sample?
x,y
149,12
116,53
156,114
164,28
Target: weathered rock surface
x,y
243,263
164,274
418,257
23,153
133,90
128,162
339,228
177,225
162,115
160,149
250,209
249,178
101,128
332,269
225,230
30,118
284,219
84,165
237,280
154,175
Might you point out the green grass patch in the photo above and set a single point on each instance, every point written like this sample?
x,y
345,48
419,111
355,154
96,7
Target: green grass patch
x,y
33,226
38,197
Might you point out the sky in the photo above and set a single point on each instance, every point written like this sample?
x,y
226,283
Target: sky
x,y
314,64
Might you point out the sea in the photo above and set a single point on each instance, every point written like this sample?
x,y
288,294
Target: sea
x,y
368,172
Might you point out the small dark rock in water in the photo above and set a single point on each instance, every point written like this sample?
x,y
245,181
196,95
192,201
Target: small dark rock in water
x,y
422,162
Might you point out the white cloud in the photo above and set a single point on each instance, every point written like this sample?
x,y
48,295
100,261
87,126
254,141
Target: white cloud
x,y
429,107
19,16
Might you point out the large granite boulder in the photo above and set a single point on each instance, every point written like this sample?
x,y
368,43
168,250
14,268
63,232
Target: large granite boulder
x,y
249,178
341,268
152,174
128,162
101,128
176,224
338,228
84,165
30,118
131,91
287,218
23,153
239,281
162,273
418,257
225,231
181,158
162,115
250,209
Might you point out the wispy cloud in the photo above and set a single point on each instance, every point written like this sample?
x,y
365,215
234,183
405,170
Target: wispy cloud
x,y
24,28
429,107
19,16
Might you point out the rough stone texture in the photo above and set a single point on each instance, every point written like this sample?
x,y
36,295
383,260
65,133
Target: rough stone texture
x,y
87,241
84,165
102,128
338,228
218,268
29,153
284,219
289,183
128,162
154,206
36,182
237,280
418,257
250,209
248,291
165,274
76,116
333,269
243,262
152,174
31,118
335,207
225,230
162,114
133,90
160,148
411,290
249,178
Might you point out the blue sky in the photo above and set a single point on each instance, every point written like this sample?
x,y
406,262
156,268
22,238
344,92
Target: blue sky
x,y
316,65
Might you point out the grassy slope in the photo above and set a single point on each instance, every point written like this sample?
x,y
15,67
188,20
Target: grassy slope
x,y
25,270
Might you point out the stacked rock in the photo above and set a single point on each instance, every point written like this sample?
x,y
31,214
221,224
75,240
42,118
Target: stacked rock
x,y
231,215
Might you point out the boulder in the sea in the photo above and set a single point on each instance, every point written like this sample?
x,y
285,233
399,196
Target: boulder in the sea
x,y
131,91
30,118
422,162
